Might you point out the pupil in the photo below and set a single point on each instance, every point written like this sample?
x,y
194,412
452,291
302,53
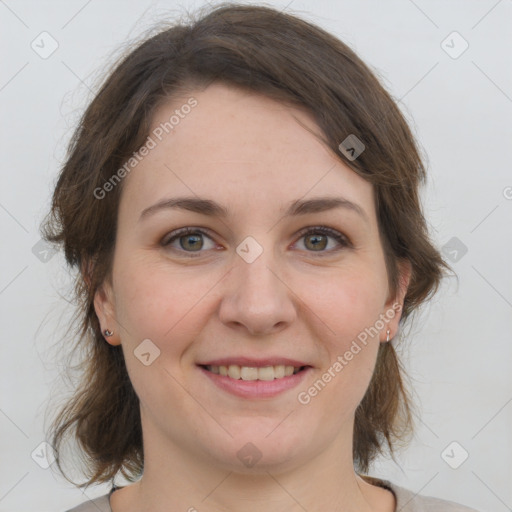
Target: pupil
x,y
193,246
317,244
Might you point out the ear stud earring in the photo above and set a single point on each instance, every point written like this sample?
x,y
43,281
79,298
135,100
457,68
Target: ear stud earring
x,y
108,333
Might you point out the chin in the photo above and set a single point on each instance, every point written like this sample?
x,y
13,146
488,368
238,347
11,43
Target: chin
x,y
255,451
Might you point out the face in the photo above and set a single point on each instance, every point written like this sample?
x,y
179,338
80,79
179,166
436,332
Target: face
x,y
273,279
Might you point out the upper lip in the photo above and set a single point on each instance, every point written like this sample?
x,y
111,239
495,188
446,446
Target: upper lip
x,y
253,362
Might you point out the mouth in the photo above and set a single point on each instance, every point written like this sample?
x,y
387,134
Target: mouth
x,y
252,373
250,379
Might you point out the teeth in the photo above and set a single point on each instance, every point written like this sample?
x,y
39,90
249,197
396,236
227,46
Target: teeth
x,y
279,371
247,373
267,373
251,373
234,371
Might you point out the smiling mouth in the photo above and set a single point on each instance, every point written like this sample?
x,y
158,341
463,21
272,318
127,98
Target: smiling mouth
x,y
267,373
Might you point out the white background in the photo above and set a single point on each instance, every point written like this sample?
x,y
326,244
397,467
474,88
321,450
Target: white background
x,y
459,352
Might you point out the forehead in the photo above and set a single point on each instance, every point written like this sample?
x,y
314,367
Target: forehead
x,y
241,148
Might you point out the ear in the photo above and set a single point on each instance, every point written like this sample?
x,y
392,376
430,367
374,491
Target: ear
x,y
394,306
104,305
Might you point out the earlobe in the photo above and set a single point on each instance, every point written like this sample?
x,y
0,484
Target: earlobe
x,y
395,304
104,305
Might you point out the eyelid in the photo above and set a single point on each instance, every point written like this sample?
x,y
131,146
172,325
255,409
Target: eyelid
x,y
189,230
340,237
343,240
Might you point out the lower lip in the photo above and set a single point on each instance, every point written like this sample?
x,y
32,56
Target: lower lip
x,y
256,388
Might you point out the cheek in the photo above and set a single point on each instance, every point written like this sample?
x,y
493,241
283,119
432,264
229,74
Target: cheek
x,y
347,304
168,309
349,309
164,306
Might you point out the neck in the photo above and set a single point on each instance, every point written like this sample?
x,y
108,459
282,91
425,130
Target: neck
x,y
325,481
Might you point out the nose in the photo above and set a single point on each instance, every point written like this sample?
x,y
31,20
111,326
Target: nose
x,y
257,297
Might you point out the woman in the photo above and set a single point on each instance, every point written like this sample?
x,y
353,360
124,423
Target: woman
x,y
241,199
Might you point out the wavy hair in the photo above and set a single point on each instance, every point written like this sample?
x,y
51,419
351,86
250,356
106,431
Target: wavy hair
x,y
285,58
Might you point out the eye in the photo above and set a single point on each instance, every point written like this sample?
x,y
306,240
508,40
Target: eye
x,y
191,240
317,239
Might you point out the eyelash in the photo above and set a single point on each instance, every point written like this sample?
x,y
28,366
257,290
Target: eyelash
x,y
324,230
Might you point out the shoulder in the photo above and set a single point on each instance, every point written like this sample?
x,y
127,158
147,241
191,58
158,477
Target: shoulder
x,y
100,504
408,501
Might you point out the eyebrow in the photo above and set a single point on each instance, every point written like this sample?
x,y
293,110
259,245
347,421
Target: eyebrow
x,y
214,209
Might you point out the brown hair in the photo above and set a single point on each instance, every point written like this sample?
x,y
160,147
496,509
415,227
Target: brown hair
x,y
287,59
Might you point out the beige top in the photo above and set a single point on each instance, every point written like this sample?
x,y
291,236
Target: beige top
x,y
406,501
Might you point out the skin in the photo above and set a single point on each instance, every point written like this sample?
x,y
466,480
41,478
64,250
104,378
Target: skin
x,y
254,156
